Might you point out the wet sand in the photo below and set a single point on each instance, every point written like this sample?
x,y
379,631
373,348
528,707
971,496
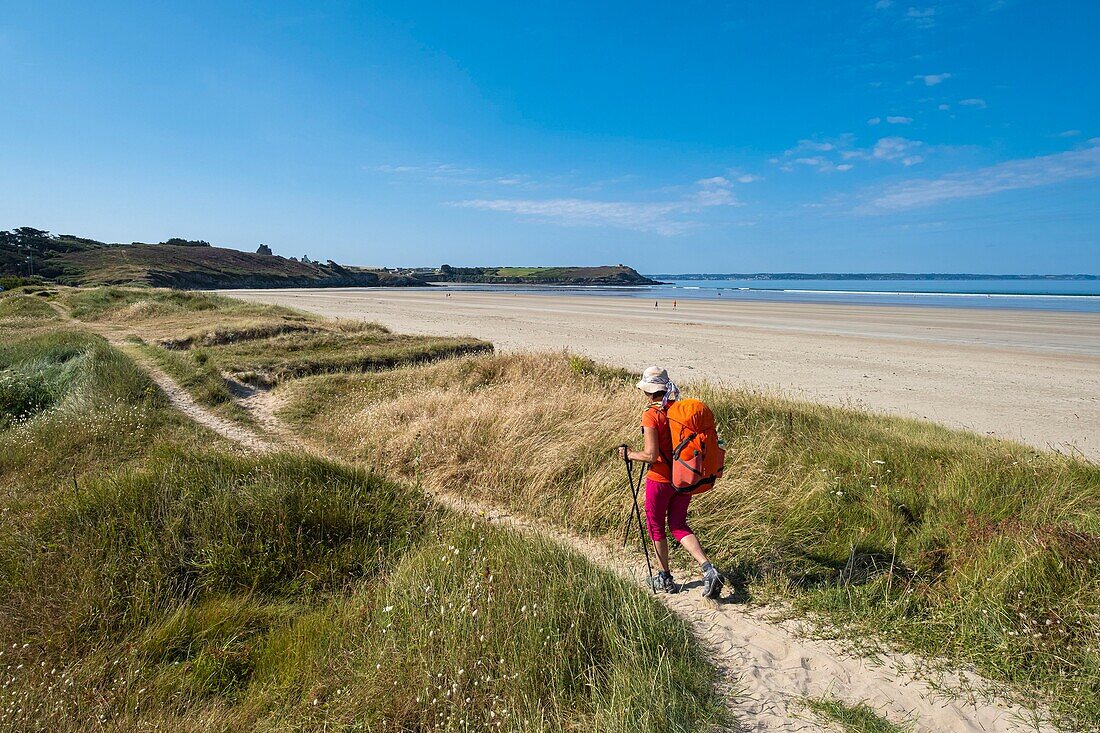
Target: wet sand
x,y
1031,376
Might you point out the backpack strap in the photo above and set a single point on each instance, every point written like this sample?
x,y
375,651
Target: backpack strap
x,y
660,407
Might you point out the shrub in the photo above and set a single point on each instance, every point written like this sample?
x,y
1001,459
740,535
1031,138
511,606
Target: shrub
x,y
35,373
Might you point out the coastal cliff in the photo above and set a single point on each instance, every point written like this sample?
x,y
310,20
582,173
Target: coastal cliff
x,y
175,263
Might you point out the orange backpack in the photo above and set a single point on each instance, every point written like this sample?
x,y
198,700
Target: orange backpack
x,y
697,453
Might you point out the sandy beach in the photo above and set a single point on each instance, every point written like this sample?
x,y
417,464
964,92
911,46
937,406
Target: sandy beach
x,y
1030,376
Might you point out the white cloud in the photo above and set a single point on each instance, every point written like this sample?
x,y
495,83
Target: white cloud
x,y
398,168
1007,176
892,119
642,217
944,107
932,80
819,163
840,154
898,148
1067,133
813,146
749,178
714,192
973,102
452,174
797,154
921,17
883,4
659,217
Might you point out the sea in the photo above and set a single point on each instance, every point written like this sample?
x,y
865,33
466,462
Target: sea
x,y
1032,294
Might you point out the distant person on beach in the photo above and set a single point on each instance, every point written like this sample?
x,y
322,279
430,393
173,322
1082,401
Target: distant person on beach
x,y
663,504
674,305
654,304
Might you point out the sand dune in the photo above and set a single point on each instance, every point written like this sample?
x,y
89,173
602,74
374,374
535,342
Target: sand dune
x,y
1031,376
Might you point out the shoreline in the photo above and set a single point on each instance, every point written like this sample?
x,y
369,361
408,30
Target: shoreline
x,y
1027,376
1043,301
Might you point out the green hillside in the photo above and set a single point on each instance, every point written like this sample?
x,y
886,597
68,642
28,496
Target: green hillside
x,y
177,263
603,275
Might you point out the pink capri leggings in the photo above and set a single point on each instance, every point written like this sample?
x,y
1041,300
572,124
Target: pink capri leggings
x,y
662,504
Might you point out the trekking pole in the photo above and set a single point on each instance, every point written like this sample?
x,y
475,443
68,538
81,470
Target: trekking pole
x,y
630,515
638,512
645,535
634,488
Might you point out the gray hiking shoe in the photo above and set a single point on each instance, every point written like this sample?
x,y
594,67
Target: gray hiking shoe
x,y
712,583
663,581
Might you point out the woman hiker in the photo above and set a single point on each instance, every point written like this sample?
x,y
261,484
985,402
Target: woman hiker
x,y
662,503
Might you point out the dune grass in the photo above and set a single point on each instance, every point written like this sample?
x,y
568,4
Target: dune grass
x,y
266,353
860,718
26,307
75,408
93,304
160,313
195,372
217,591
36,373
152,577
221,334
979,551
266,362
480,629
262,345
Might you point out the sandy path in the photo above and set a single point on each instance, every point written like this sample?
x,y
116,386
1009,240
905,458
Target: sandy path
x,y
183,402
1023,375
766,668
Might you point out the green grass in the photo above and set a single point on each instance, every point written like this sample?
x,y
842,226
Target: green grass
x,y
289,356
481,628
976,551
181,568
87,410
95,304
195,372
288,592
261,344
26,307
230,334
860,718
36,374
520,271
153,578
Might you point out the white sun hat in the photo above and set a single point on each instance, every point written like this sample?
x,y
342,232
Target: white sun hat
x,y
654,379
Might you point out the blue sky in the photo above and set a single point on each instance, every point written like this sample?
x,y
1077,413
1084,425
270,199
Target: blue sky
x,y
850,136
